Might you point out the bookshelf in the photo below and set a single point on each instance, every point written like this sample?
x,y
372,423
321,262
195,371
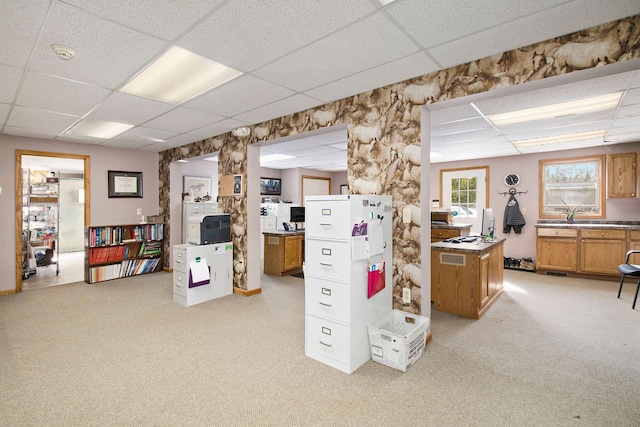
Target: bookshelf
x,y
116,251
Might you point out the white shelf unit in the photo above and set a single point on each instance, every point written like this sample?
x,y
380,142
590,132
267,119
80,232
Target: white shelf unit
x,y
41,221
337,306
219,259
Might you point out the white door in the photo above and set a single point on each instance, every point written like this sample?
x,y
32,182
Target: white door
x,y
464,191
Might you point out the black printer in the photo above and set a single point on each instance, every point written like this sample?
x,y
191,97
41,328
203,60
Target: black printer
x,y
208,229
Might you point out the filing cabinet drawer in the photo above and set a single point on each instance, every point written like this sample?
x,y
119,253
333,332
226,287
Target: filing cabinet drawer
x,y
180,262
328,338
180,283
326,298
327,219
330,259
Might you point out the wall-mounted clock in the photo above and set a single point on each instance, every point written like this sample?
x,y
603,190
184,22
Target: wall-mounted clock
x,y
512,179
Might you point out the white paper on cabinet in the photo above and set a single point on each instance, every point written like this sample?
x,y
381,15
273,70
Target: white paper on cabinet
x,y
376,239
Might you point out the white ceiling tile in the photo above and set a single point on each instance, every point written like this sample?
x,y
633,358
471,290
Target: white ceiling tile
x,y
162,18
474,135
595,142
51,93
29,132
218,128
631,97
280,108
463,126
416,64
124,108
20,23
525,31
629,111
239,95
453,19
179,140
9,83
107,53
453,114
235,33
144,134
182,120
49,122
346,52
4,112
81,139
126,144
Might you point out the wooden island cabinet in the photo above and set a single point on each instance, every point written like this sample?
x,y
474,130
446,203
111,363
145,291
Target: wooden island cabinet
x,y
283,252
466,278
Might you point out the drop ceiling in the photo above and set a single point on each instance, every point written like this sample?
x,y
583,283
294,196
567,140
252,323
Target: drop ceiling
x,y
294,55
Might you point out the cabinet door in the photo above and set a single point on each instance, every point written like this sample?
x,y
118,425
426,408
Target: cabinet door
x,y
483,280
292,253
556,254
601,256
621,175
634,243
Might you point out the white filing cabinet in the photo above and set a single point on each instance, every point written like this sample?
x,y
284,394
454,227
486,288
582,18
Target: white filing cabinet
x,y
219,259
195,208
337,305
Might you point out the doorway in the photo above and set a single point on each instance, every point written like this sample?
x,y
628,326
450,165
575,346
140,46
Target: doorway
x,y
56,161
464,191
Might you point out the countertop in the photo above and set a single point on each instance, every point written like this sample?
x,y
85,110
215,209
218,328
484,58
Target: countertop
x,y
475,247
623,225
284,233
449,226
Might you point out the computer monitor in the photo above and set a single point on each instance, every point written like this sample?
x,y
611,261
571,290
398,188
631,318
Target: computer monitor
x,y
488,223
297,214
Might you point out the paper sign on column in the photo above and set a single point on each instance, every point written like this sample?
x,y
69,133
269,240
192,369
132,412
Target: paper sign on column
x,y
198,273
376,239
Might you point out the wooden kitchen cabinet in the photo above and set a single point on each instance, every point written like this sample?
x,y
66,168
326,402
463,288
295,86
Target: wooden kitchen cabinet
x,y
283,253
441,232
557,249
602,250
634,243
622,175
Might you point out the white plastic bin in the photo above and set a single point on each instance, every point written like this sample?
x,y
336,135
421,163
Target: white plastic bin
x,y
398,339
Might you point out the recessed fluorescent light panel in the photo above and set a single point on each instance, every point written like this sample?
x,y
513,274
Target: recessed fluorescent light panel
x,y
386,2
178,76
585,105
275,157
98,128
560,138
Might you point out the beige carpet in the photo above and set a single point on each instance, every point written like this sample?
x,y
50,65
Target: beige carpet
x,y
552,351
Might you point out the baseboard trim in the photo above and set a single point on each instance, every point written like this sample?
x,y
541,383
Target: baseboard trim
x,y
7,292
246,293
429,337
167,269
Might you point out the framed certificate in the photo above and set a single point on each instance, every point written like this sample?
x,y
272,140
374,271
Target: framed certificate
x,y
125,184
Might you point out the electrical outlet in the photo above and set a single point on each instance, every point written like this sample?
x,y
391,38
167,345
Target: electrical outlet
x,y
139,211
523,210
406,295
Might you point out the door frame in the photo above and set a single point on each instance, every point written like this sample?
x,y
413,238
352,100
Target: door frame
x,y
18,193
471,168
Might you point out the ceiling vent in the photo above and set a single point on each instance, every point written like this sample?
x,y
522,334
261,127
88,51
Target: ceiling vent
x,y
63,52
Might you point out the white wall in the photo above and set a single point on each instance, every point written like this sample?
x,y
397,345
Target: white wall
x,y
103,209
524,245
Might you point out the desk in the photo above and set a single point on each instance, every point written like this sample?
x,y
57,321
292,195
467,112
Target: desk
x,y
466,278
283,252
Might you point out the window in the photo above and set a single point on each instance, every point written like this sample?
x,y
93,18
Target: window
x,y
463,196
576,183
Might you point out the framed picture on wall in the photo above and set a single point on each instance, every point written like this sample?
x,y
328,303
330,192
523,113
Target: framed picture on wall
x,y
124,184
197,186
270,186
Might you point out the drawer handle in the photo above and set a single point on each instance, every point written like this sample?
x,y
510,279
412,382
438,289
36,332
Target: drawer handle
x,y
326,304
178,285
178,261
325,344
326,224
326,264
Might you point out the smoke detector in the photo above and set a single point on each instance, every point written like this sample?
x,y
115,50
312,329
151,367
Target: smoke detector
x,y
241,132
63,52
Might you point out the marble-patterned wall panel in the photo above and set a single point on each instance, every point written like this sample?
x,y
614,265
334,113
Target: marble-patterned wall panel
x,y
384,132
